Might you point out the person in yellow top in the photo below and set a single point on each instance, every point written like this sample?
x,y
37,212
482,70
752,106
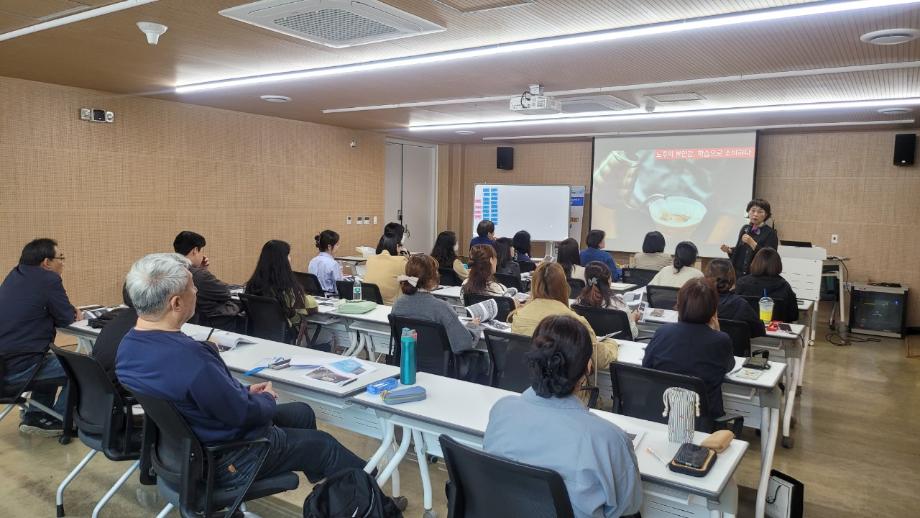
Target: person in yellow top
x,y
549,296
445,253
388,264
274,278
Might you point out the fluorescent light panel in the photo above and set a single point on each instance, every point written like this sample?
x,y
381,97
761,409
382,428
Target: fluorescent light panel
x,y
556,42
744,110
80,16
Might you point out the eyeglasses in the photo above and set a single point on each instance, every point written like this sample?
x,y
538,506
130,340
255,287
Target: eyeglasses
x,y
59,258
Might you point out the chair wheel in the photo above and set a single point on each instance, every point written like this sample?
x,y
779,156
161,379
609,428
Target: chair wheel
x,y
429,513
64,439
788,442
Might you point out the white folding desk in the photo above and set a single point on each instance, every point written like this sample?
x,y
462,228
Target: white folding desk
x,y
461,410
790,344
757,400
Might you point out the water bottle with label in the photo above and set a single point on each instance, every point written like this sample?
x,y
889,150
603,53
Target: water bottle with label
x,y
766,308
407,356
356,290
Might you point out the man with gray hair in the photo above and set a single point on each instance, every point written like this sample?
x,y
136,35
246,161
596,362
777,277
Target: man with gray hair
x,y
156,359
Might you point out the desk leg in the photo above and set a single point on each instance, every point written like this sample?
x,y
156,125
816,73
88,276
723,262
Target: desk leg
x,y
397,458
814,323
422,453
793,368
801,373
388,433
769,424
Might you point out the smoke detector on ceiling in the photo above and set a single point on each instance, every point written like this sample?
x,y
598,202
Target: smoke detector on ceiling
x,y
890,36
152,30
333,23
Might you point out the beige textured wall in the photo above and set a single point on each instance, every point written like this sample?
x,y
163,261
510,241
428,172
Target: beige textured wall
x,y
818,184
110,193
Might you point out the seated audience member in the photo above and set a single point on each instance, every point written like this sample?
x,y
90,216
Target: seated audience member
x,y
274,278
550,296
681,270
157,359
106,347
485,234
215,306
416,301
505,263
481,281
652,256
521,244
445,253
732,306
324,266
595,252
765,278
34,303
594,457
388,264
597,293
569,259
694,346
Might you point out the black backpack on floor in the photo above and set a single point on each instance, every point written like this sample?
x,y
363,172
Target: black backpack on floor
x,y
349,493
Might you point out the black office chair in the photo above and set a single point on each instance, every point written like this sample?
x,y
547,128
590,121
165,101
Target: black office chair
x,y
510,281
369,291
12,395
638,391
638,276
778,305
449,277
310,284
661,297
740,333
505,304
432,348
575,287
605,321
527,266
185,469
482,485
103,418
266,319
510,370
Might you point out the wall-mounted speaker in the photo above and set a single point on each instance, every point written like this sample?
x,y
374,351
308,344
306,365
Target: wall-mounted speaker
x,y
505,158
905,147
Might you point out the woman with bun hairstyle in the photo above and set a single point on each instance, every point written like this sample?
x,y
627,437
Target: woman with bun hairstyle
x,y
549,426
682,270
388,264
324,266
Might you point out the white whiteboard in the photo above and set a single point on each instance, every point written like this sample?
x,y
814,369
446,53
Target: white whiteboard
x,y
542,210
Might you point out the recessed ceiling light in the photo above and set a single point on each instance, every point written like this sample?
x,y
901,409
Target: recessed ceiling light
x,y
275,98
890,36
894,111
465,132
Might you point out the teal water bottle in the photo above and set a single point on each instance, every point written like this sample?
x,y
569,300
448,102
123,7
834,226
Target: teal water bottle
x,y
407,356
356,290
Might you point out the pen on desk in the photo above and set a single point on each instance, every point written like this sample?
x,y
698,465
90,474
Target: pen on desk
x,y
656,455
350,381
209,334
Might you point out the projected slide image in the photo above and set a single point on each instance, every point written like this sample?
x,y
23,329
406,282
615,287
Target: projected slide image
x,y
688,188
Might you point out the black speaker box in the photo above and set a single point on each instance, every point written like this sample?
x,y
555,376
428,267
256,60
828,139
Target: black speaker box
x,y
905,147
505,158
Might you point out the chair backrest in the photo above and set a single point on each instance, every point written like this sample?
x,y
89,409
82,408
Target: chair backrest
x,y
527,266
310,284
740,334
432,349
266,318
510,370
605,321
575,287
484,485
637,392
505,304
369,291
661,297
510,280
778,304
449,277
638,276
98,409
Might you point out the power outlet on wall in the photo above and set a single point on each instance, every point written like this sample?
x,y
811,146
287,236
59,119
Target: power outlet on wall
x,y
348,220
835,239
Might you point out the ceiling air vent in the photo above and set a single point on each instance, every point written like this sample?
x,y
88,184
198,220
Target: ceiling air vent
x,y
594,103
333,23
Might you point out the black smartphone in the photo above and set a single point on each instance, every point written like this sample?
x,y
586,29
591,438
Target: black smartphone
x,y
785,327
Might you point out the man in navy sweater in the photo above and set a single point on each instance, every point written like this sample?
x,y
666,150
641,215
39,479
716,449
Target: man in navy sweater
x,y
33,303
156,359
